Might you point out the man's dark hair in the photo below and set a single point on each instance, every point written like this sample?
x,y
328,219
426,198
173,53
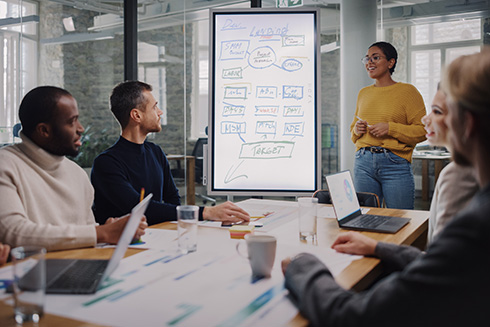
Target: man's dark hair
x,y
39,106
389,51
125,97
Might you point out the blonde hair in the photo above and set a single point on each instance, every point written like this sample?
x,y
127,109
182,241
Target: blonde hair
x,y
467,82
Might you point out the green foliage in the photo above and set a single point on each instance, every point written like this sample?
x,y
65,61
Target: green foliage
x,y
93,143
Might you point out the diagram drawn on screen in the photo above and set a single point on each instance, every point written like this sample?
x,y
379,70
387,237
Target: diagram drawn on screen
x,y
264,106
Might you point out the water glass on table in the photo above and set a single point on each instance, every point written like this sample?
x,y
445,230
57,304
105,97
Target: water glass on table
x,y
187,218
29,285
307,215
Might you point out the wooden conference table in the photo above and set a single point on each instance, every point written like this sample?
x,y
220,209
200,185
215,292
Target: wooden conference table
x,y
357,276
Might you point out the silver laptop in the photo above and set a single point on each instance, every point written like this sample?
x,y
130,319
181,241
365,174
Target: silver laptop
x,y
80,276
348,211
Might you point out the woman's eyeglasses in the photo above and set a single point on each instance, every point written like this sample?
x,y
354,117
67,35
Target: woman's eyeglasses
x,y
373,59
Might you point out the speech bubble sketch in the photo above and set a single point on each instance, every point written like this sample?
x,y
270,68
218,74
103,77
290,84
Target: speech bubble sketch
x,y
262,57
291,65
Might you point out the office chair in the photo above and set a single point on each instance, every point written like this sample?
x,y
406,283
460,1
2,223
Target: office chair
x,y
198,153
16,129
365,199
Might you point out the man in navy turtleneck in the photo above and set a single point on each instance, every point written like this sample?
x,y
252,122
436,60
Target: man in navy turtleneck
x,y
132,163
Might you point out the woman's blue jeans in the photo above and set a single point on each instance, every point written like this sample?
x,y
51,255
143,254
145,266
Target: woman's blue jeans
x,y
387,175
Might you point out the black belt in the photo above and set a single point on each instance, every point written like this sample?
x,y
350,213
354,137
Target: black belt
x,y
374,149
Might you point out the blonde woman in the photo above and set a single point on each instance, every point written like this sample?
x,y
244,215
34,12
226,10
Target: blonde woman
x,y
457,184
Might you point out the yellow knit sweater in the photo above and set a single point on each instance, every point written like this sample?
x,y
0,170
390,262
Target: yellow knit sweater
x,y
402,107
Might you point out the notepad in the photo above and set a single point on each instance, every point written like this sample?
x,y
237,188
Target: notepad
x,y
239,231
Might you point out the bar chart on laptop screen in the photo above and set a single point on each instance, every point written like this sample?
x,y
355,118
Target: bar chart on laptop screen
x,y
264,109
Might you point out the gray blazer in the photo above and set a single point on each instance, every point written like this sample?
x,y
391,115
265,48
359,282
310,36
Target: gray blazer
x,y
448,286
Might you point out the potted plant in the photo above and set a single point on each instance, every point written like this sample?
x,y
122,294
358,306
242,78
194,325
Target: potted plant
x,y
93,143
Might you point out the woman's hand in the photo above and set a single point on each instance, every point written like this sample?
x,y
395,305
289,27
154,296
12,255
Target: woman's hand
x,y
379,129
361,127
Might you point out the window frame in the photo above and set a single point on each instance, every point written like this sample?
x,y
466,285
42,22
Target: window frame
x,y
442,47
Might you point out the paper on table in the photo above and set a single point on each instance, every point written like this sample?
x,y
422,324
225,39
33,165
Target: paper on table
x,y
167,288
275,213
156,239
6,277
153,239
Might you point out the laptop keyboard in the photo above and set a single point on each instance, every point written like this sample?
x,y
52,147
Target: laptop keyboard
x,y
369,221
81,277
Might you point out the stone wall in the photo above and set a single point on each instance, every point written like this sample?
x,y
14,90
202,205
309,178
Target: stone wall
x,y
89,70
50,68
172,137
398,37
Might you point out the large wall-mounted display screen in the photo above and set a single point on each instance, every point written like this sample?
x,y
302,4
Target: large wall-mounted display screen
x,y
264,135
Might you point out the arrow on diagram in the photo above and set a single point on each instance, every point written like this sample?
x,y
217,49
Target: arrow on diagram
x,y
229,175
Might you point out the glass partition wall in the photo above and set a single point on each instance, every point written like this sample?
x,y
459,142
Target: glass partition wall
x,y
78,45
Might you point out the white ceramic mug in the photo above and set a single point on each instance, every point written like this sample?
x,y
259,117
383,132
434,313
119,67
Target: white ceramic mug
x,y
261,253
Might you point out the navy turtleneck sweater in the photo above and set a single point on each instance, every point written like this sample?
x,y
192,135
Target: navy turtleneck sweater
x,y
119,173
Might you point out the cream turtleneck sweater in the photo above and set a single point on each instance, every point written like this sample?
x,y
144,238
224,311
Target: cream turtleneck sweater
x,y
45,200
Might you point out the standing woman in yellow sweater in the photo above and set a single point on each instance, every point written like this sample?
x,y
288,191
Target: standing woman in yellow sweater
x,y
386,127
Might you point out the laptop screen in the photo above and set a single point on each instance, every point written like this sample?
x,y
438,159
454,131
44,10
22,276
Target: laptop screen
x,y
343,194
131,226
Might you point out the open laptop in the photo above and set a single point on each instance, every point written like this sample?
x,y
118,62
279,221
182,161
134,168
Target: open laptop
x,y
81,276
348,211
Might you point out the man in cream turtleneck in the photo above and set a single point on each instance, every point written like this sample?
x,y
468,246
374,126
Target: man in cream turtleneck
x,y
46,198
